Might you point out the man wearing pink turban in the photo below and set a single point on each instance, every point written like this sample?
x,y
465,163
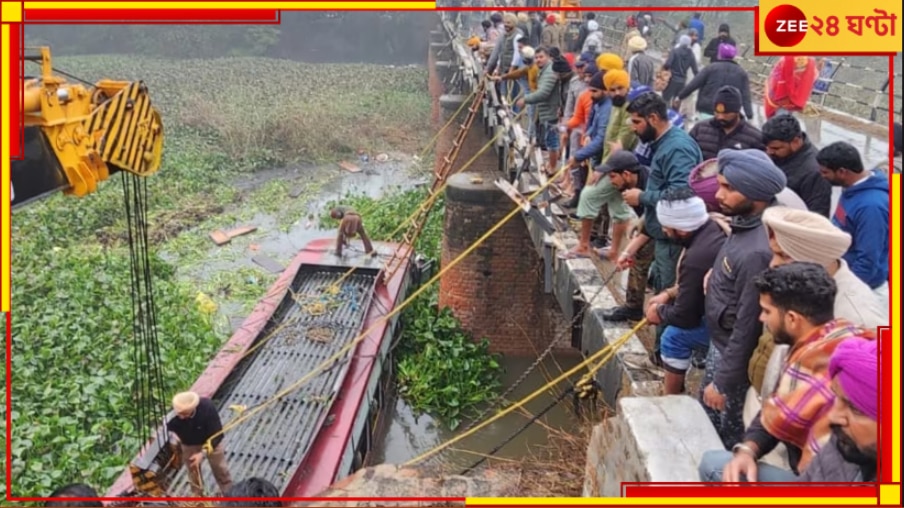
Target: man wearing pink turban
x,y
850,455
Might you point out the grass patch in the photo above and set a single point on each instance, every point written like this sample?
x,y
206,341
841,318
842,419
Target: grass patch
x,y
73,411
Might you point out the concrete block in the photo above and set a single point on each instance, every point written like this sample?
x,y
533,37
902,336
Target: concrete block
x,y
652,439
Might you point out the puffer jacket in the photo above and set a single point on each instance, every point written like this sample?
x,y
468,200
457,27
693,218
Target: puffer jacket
x,y
547,97
712,137
713,77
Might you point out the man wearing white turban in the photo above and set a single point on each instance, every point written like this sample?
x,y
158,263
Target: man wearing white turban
x,y
680,308
196,422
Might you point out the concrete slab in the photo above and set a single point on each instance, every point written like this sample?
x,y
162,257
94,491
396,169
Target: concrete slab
x,y
652,439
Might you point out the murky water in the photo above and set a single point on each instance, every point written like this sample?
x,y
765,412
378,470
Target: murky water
x,y
407,436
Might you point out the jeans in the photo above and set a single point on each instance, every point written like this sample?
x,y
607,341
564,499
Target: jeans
x,y
730,422
548,136
679,344
714,461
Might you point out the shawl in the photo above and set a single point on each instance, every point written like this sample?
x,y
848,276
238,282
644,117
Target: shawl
x,y
789,87
797,410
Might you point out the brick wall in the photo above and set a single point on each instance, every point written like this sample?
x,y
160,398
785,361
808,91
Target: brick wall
x,y
496,291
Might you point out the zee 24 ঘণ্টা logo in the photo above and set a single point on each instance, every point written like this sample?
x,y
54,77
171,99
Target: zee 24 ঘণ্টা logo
x,y
787,25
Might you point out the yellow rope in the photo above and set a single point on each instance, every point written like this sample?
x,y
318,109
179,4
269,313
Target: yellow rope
x,y
334,288
606,353
451,119
428,203
329,361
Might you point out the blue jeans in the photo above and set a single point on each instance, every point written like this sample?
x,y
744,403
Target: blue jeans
x,y
679,344
714,461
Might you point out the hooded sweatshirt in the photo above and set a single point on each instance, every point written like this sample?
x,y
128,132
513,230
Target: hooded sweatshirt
x,y
863,212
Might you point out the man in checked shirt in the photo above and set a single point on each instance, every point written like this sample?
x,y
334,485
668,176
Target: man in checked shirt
x,y
797,307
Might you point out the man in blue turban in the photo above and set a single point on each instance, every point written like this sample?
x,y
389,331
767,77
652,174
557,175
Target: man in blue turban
x,y
748,183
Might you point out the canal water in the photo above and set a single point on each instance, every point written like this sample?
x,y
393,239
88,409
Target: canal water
x,y
408,435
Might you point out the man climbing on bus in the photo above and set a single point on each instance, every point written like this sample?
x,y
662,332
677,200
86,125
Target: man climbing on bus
x,y
350,225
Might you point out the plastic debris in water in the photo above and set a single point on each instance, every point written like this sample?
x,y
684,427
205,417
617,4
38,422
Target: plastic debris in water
x,y
205,304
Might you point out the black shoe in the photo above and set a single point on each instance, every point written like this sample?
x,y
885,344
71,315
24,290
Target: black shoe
x,y
623,314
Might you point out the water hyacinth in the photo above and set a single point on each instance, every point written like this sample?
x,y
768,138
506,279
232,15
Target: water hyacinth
x,y
224,119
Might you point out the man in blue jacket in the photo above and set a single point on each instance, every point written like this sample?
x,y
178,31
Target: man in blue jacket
x,y
591,153
862,211
697,24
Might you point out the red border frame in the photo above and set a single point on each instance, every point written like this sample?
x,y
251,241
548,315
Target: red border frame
x,y
669,490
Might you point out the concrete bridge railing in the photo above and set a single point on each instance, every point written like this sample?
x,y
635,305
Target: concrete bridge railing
x,y
651,438
576,284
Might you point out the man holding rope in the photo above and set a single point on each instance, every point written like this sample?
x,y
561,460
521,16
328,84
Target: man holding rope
x,y
196,421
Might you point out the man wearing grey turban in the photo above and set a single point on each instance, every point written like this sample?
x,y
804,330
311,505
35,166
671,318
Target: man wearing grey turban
x,y
748,183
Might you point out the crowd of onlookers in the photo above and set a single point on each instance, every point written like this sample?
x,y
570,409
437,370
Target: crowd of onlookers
x,y
758,275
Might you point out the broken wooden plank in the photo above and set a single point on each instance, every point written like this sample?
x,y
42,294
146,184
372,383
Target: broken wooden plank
x,y
513,193
221,237
268,263
348,166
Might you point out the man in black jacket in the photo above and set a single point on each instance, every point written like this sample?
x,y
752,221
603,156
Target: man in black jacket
x,y
711,79
196,421
791,150
724,37
727,130
748,183
680,308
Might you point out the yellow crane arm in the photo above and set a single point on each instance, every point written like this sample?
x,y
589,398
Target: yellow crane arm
x,y
75,137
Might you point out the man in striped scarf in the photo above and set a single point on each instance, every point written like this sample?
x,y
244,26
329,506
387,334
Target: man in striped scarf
x,y
797,302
